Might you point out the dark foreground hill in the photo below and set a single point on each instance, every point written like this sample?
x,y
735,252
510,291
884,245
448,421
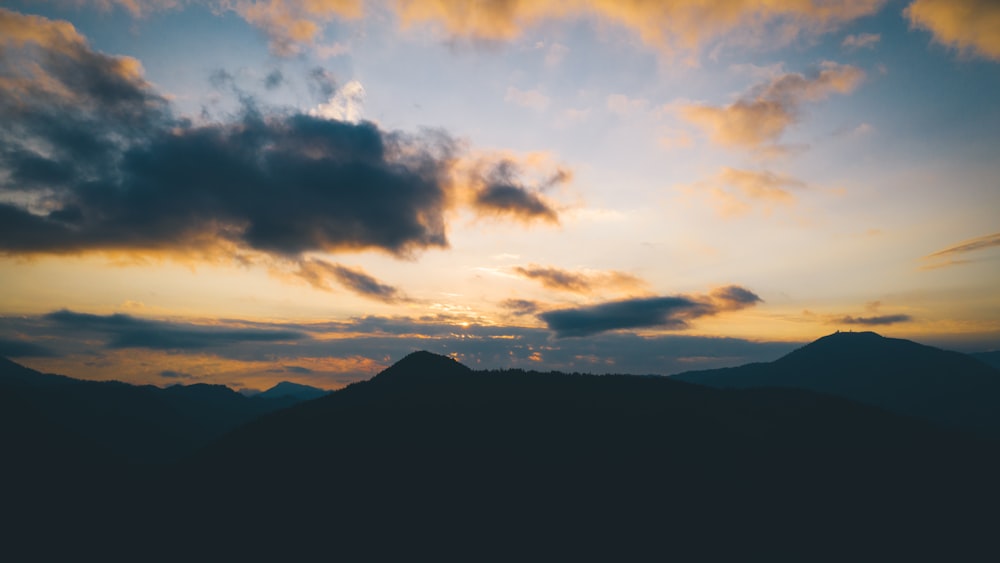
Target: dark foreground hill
x,y
432,461
988,358
900,376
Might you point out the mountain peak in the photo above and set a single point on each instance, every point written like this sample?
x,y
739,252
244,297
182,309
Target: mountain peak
x,y
294,390
895,374
858,350
424,366
851,336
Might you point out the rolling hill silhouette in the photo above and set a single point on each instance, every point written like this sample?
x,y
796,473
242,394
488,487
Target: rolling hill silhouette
x,y
128,423
988,358
430,459
900,376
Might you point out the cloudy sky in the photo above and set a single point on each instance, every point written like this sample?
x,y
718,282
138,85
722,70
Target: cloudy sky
x,y
248,191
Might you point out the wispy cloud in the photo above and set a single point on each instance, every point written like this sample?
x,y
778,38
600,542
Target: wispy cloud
x,y
579,282
291,25
321,274
876,320
623,105
734,192
758,118
950,256
861,41
171,374
532,99
673,28
125,331
520,307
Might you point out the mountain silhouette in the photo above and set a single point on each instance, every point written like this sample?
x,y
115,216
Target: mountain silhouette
x,y
423,366
128,423
988,358
430,459
898,375
293,390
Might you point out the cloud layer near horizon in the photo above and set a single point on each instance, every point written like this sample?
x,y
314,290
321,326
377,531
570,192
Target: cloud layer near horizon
x,y
335,353
671,312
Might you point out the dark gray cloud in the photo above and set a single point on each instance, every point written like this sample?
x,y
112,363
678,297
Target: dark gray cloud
x,y
126,331
94,160
733,297
290,369
578,282
280,185
274,79
520,306
556,278
12,348
642,312
320,273
502,193
670,312
221,79
170,374
876,320
322,83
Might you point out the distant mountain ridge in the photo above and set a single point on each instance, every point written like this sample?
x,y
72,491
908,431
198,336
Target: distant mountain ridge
x,y
294,390
135,423
898,375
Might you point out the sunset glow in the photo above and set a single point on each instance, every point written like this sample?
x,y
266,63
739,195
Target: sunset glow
x,y
251,191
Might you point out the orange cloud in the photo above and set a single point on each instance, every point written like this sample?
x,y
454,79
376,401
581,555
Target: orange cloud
x,y
735,192
971,26
291,23
56,38
137,8
673,27
757,120
322,274
532,99
167,368
949,256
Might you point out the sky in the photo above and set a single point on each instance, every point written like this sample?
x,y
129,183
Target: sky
x,y
249,191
